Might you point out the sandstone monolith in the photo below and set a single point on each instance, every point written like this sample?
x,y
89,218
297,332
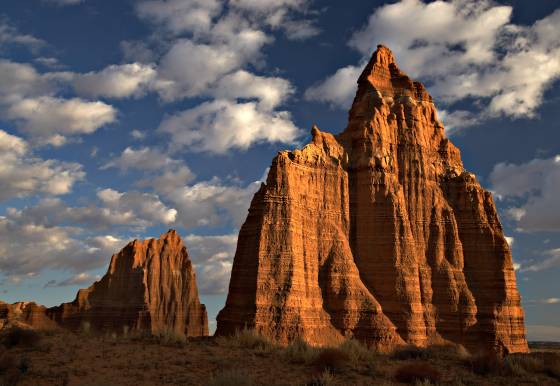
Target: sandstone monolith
x,y
378,233
150,287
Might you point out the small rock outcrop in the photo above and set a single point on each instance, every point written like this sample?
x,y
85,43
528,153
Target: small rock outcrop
x,y
150,286
27,314
377,233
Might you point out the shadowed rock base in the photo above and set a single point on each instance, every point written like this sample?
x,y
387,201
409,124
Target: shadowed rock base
x,y
377,233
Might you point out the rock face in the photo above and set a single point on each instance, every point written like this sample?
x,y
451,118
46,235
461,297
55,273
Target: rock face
x,y
377,233
27,314
150,286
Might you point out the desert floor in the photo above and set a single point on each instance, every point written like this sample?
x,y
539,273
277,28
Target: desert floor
x,y
64,358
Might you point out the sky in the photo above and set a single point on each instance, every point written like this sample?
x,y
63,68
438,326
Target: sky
x,y
120,119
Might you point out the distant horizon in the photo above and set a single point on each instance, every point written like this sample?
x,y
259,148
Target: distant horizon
x,y
122,119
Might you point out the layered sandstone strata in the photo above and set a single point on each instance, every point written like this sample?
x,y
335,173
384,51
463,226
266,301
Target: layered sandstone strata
x,y
150,286
377,233
26,314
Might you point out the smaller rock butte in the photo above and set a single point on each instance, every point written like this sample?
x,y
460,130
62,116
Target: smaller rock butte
x,y
150,286
377,233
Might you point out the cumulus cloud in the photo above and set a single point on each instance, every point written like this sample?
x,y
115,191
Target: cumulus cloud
x,y
221,125
535,185
28,249
212,257
463,49
81,279
551,261
211,203
9,35
28,98
22,174
138,204
50,119
116,81
179,16
145,158
338,89
189,69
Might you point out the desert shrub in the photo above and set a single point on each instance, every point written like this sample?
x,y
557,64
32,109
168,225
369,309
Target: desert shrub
x,y
410,352
299,351
446,351
356,351
23,337
85,328
331,359
233,377
418,372
326,378
252,339
485,364
551,364
519,364
170,337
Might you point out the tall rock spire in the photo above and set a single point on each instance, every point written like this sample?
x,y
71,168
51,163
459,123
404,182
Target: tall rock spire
x,y
150,286
377,233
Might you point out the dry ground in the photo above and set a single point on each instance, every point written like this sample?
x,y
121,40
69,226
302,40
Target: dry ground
x,y
68,359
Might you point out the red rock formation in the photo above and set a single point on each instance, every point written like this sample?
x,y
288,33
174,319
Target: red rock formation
x,y
149,286
27,314
377,233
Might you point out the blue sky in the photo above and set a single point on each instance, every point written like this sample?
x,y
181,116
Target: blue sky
x,y
121,119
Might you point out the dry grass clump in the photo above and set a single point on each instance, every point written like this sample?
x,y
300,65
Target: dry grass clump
x,y
247,338
232,377
418,372
169,337
299,351
333,360
21,337
326,378
356,351
447,351
485,364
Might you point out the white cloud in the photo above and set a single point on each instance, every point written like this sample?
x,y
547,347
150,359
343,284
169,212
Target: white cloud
x,y
211,203
189,69
221,125
116,81
80,279
49,119
137,204
28,98
465,49
553,261
178,16
22,174
145,158
212,257
10,35
49,62
27,248
269,92
338,89
510,240
138,134
265,6
552,301
536,183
